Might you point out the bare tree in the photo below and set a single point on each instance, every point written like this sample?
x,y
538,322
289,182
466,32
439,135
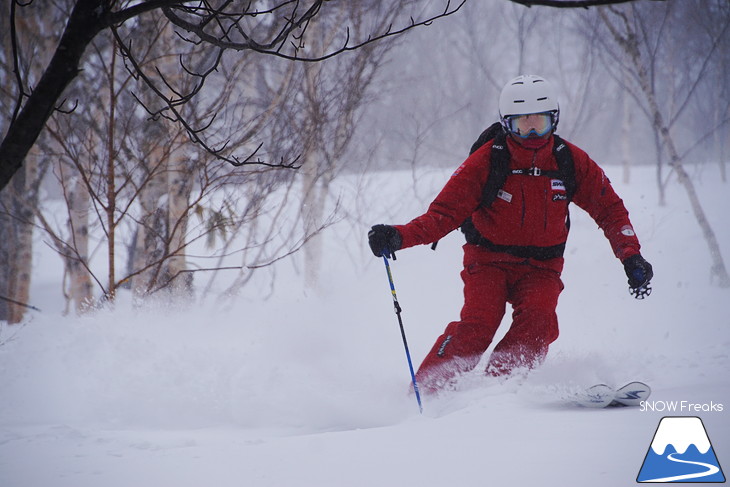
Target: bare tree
x,y
324,117
126,170
280,29
629,29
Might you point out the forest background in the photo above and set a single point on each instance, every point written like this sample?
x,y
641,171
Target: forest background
x,y
172,168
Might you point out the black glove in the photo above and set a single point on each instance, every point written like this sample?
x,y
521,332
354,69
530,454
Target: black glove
x,y
639,272
384,240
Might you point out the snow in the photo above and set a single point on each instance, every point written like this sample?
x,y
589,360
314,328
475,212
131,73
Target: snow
x,y
310,387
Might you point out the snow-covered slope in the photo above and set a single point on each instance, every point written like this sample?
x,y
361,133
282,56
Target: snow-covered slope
x,y
310,387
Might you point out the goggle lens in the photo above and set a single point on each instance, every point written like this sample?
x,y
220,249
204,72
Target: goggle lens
x,y
533,124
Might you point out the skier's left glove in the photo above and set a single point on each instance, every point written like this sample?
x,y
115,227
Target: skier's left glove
x,y
640,273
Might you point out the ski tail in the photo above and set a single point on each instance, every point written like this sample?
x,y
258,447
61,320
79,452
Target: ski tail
x,y
632,394
603,395
597,396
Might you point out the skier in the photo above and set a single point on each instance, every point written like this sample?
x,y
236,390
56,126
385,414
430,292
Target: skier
x,y
515,218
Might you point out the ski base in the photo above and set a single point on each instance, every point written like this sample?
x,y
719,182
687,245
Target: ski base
x,y
603,395
632,394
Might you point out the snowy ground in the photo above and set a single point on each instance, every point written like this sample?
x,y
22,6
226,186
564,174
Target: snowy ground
x,y
309,388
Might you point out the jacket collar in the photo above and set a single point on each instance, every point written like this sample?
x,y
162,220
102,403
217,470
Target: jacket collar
x,y
524,157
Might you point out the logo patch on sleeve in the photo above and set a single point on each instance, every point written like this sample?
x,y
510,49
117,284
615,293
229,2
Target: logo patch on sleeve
x,y
627,231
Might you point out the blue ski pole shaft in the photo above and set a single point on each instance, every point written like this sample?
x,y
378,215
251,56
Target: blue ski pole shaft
x,y
397,307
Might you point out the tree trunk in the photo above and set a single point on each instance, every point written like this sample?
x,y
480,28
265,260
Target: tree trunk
x,y
718,269
80,286
313,201
721,138
179,187
111,187
151,233
312,192
626,134
17,203
659,172
6,250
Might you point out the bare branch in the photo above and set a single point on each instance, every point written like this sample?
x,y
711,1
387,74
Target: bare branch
x,y
571,3
219,26
274,46
25,305
172,104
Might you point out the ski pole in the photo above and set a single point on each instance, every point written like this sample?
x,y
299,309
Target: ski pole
x,y
402,332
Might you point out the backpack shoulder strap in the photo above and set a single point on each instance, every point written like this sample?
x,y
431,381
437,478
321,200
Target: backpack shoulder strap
x,y
566,167
498,169
488,134
498,161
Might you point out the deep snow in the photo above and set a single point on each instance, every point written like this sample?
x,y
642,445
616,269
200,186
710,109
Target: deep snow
x,y
310,387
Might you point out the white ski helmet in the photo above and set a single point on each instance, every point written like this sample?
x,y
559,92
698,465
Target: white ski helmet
x,y
528,94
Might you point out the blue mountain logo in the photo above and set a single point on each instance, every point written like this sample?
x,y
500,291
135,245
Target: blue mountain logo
x,y
681,452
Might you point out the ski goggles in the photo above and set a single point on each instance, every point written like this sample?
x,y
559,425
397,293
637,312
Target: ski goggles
x,y
530,125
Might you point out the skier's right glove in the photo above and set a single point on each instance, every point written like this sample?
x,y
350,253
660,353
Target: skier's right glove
x,y
384,240
639,272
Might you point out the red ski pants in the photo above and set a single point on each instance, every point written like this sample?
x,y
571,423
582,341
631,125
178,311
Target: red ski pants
x,y
533,293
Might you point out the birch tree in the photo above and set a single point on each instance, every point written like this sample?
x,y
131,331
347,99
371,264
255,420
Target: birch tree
x,y
640,34
325,114
19,200
17,205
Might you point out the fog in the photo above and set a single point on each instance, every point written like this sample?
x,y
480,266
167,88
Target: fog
x,y
441,86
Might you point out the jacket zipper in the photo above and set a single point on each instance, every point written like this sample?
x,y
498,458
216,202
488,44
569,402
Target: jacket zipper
x,y
524,207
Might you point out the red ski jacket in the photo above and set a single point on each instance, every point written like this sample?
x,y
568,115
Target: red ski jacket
x,y
529,211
